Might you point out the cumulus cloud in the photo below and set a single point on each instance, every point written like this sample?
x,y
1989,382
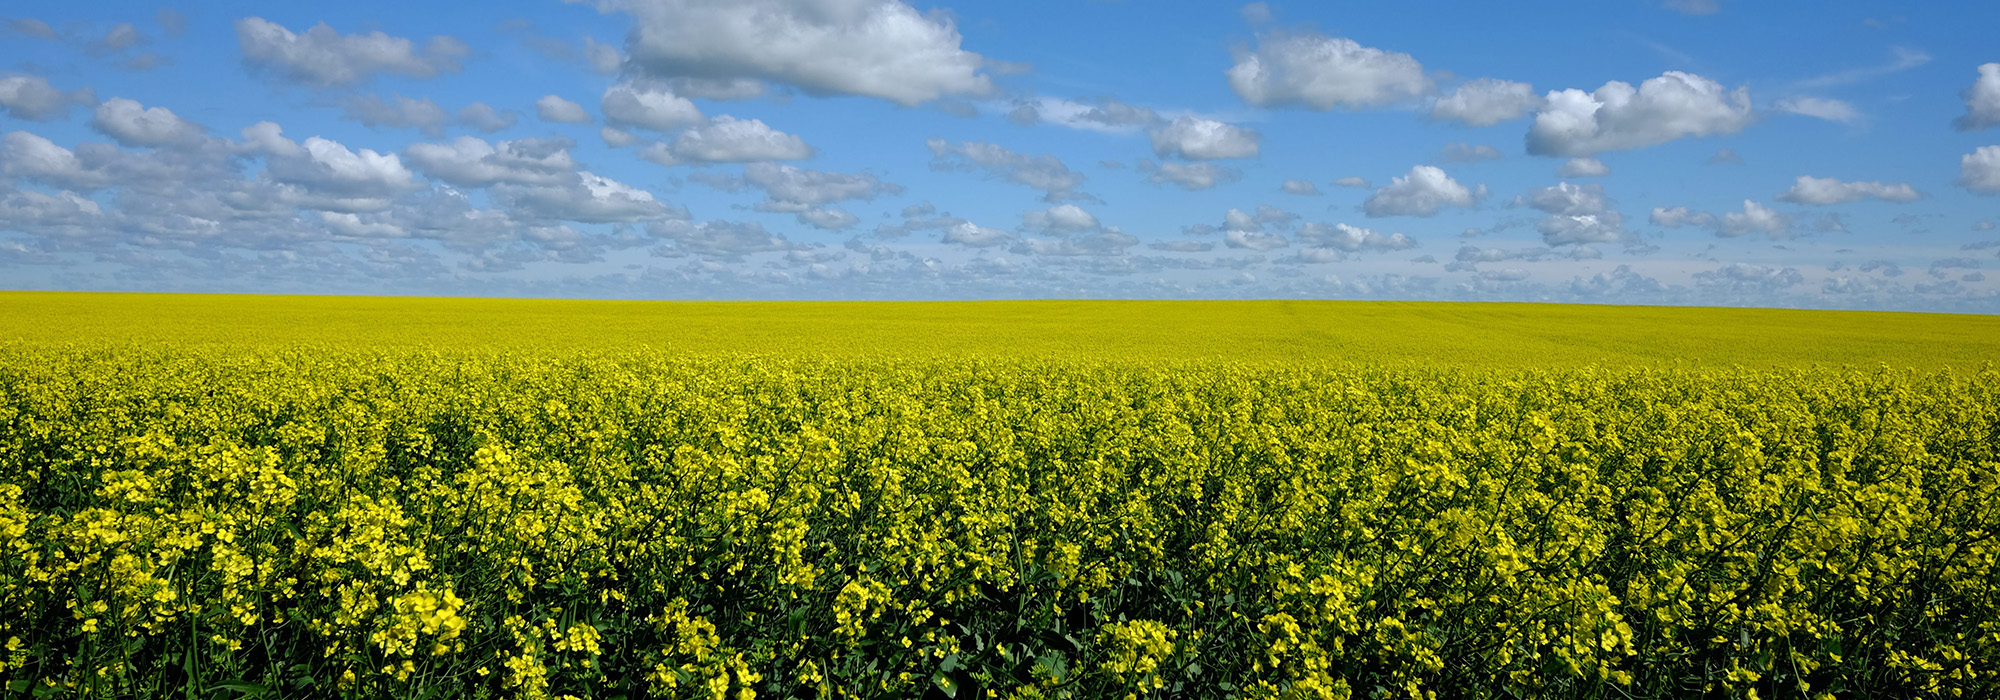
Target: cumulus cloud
x,y
1044,172
132,124
32,99
484,117
1195,138
1818,108
1982,100
1618,117
1742,277
1979,170
30,156
1583,167
1486,101
1059,220
322,57
602,59
875,49
1323,73
727,139
1575,215
1304,187
804,193
359,180
1253,240
1754,218
1352,238
472,162
1676,217
551,108
1462,152
1826,190
647,106
1192,176
584,197
1105,115
972,235
29,26
723,239
1354,181
617,138
1422,192
404,112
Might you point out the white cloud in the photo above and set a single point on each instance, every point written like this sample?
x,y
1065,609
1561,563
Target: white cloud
x,y
1044,172
647,106
1462,152
405,112
325,167
268,138
725,239
32,99
1424,191
1253,240
472,162
1195,138
1905,59
972,235
584,197
551,108
727,139
1979,170
1192,176
1487,101
1676,217
1060,220
1304,187
792,189
1352,238
132,124
1355,181
27,155
1819,108
1583,167
1982,100
322,57
1323,73
616,137
1575,215
1565,198
1755,218
484,117
1566,229
828,219
602,58
1826,190
1617,117
874,48
1106,115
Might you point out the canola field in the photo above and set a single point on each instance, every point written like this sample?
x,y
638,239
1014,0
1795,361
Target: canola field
x,y
226,497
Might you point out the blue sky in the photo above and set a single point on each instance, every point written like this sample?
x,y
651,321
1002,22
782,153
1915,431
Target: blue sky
x,y
1845,155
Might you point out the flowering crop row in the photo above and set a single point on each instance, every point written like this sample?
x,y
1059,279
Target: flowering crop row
x,y
410,524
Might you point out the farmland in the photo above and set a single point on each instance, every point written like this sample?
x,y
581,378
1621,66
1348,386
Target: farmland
x,y
293,497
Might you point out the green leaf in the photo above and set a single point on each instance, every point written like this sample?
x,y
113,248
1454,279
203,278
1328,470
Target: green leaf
x,y
950,663
945,684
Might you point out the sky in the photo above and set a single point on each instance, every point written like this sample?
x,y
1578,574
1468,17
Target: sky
x,y
1843,154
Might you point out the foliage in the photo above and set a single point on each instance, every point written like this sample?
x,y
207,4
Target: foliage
x,y
404,523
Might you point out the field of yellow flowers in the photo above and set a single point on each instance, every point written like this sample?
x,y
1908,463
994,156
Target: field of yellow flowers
x,y
196,520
